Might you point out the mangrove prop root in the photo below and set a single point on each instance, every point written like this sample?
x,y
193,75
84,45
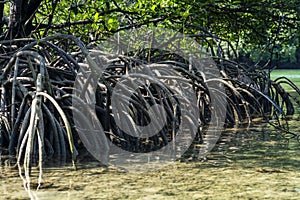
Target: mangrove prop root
x,y
37,91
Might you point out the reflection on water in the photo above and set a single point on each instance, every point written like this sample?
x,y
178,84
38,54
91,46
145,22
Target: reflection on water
x,y
236,160
260,146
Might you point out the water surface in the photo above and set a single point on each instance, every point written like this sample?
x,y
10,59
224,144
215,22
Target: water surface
x,y
260,163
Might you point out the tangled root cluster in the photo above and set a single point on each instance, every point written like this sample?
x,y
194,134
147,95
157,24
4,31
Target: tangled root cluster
x,y
37,98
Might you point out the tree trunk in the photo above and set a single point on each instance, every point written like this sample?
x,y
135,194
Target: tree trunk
x,y
20,19
1,17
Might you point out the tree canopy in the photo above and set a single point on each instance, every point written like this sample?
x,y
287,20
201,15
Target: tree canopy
x,y
260,30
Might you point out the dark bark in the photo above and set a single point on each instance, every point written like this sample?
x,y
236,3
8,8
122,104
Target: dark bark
x,y
21,15
1,17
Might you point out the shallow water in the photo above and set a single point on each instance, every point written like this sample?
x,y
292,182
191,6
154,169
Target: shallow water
x,y
260,163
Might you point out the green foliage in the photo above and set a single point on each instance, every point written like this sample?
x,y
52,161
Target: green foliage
x,y
267,29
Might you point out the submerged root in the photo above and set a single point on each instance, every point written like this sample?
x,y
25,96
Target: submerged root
x,y
37,96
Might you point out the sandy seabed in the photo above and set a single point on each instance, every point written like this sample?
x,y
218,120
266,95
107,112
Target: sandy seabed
x,y
193,180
